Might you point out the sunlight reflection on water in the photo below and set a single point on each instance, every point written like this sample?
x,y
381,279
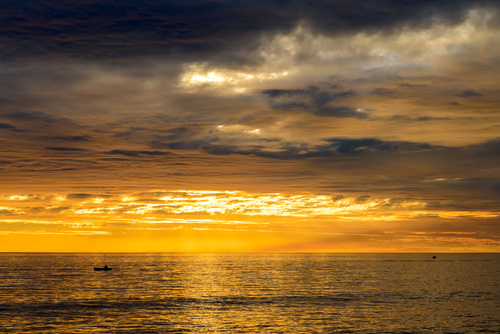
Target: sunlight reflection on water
x,y
249,293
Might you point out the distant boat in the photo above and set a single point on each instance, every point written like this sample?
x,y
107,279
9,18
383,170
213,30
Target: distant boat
x,y
434,257
105,268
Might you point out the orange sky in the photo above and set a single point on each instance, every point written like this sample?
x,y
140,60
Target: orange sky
x,y
171,127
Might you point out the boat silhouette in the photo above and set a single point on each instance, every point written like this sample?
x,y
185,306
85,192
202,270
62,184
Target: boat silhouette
x,y
105,268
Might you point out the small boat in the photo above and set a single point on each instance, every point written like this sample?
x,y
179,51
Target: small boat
x,y
434,257
105,268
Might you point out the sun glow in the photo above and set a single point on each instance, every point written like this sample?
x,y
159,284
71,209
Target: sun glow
x,y
232,203
260,221
201,75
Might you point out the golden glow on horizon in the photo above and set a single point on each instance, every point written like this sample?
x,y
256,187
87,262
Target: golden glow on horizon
x,y
265,222
235,203
215,202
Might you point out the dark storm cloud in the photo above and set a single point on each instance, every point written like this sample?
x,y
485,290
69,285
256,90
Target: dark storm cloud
x,y
315,100
107,29
386,14
356,146
335,147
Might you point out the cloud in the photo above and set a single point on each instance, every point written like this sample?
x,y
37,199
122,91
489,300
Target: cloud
x,y
469,93
209,203
68,138
139,153
341,111
6,126
335,147
384,91
34,116
66,149
366,145
79,196
363,199
427,118
315,100
106,29
490,148
91,30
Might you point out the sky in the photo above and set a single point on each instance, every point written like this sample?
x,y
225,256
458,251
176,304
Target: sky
x,y
249,126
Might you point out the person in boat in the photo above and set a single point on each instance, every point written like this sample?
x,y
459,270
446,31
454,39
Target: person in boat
x,y
105,268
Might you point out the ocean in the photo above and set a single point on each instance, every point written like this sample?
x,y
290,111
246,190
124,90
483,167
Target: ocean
x,y
249,293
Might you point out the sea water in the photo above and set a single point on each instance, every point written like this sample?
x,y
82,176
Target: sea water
x,y
249,293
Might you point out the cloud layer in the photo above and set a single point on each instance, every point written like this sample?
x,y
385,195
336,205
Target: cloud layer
x,y
370,101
